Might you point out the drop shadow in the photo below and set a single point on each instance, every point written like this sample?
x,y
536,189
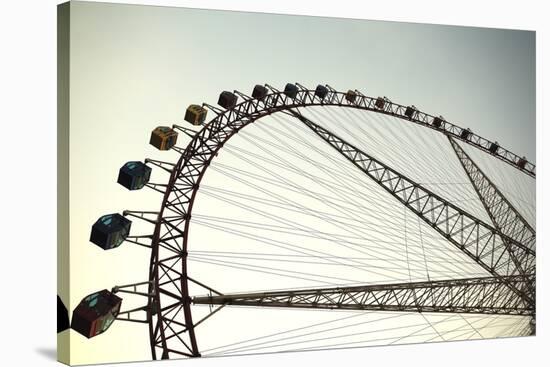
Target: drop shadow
x,y
48,353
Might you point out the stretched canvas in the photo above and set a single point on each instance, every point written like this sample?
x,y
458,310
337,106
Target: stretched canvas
x,y
235,183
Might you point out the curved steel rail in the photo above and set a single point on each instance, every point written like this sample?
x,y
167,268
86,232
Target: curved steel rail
x,y
188,172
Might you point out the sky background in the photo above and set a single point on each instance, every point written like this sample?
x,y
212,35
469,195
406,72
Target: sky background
x,y
136,67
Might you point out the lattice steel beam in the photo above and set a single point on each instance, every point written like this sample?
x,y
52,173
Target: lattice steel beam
x,y
504,216
490,295
477,239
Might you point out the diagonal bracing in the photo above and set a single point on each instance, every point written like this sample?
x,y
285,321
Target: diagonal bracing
x,y
481,242
504,216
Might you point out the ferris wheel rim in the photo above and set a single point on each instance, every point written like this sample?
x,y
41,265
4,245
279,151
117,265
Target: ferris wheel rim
x,y
191,150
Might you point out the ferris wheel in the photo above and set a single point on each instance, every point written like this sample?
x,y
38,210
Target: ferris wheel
x,y
330,201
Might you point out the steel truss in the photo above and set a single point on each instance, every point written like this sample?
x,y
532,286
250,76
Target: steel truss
x,y
484,244
171,326
504,216
477,295
138,289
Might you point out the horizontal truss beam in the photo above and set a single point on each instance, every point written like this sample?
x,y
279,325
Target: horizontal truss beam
x,y
476,295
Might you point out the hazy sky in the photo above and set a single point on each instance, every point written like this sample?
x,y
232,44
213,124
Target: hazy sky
x,y
479,78
136,67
